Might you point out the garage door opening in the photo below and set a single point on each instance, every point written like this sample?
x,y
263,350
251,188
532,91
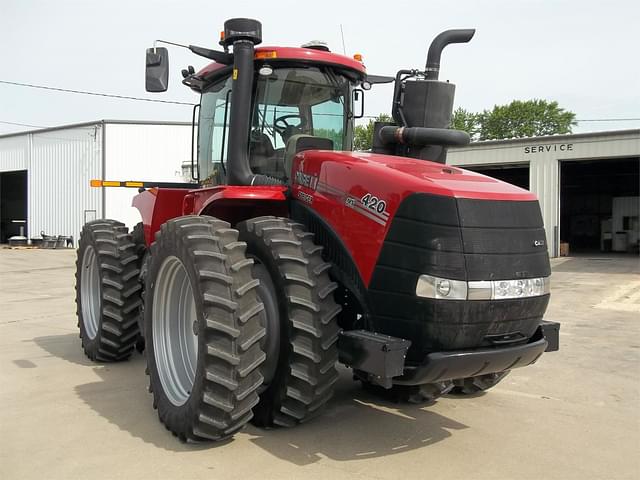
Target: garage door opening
x,y
599,205
517,175
13,204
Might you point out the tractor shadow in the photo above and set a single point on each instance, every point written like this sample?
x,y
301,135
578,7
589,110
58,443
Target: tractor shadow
x,y
119,395
66,347
357,425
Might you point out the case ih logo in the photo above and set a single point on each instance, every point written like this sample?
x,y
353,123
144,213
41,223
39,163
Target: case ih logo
x,y
306,180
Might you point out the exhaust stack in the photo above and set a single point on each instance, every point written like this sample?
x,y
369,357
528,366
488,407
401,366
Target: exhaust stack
x,y
424,105
243,34
432,68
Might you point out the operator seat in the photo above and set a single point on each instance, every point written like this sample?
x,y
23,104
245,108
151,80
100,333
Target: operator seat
x,y
262,155
289,132
300,143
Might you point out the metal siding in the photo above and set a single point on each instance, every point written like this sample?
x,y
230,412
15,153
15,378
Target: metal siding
x,y
545,183
62,163
625,207
146,153
14,153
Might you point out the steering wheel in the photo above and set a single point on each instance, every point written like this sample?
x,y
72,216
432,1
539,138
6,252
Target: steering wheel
x,y
281,124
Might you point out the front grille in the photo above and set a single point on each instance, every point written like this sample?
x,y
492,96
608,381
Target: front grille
x,y
459,239
464,239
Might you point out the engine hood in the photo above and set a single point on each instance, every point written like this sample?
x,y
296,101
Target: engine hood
x,y
356,196
402,176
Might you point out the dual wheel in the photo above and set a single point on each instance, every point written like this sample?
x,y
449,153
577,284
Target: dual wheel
x,y
238,324
107,291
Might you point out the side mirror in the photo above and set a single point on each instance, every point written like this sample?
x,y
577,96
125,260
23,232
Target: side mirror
x,y
358,101
157,70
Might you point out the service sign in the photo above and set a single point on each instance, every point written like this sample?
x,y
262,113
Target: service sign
x,y
553,147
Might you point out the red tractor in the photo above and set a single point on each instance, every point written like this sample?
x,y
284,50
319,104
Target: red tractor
x,y
290,253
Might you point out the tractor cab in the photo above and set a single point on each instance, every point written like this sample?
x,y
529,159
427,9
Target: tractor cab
x,y
261,106
294,108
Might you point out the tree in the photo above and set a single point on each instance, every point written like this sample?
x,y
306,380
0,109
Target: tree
x,y
467,121
363,134
530,118
334,135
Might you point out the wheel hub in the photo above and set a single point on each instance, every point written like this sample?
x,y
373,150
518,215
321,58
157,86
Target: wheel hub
x,y
90,292
174,330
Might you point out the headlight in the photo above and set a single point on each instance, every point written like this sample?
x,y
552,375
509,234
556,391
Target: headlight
x,y
434,287
530,287
442,288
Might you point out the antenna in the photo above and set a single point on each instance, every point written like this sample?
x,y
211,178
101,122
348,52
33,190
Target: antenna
x,y
168,43
344,49
220,57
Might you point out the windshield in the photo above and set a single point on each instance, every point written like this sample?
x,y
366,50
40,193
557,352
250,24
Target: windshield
x,y
293,101
287,102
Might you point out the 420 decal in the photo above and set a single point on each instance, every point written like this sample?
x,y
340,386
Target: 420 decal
x,y
374,203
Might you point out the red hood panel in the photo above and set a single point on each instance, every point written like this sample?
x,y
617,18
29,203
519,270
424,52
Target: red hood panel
x,y
358,194
408,175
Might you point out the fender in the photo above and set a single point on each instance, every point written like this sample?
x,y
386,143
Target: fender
x,y
226,202
236,203
156,206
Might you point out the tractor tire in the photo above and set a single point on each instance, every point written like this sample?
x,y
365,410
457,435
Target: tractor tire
x,y
107,291
415,394
300,317
420,394
137,235
203,329
469,386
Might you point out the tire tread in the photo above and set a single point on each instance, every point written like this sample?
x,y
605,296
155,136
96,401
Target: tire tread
x,y
117,260
225,390
306,383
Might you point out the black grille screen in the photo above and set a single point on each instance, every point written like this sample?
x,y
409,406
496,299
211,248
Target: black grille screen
x,y
466,239
460,239
498,213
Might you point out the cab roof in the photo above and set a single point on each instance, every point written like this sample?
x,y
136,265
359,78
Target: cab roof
x,y
285,54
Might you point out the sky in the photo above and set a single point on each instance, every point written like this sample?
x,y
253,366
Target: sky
x,y
583,54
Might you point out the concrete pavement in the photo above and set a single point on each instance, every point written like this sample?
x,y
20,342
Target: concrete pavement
x,y
575,414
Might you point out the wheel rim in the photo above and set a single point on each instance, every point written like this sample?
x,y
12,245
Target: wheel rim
x,y
270,317
175,343
90,292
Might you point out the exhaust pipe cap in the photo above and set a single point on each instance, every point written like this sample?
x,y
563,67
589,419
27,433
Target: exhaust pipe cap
x,y
242,29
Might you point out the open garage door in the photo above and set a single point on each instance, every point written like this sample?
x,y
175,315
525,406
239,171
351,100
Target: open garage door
x,y
599,205
13,204
515,174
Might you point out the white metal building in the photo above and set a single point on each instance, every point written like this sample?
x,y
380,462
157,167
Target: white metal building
x,y
45,174
587,183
